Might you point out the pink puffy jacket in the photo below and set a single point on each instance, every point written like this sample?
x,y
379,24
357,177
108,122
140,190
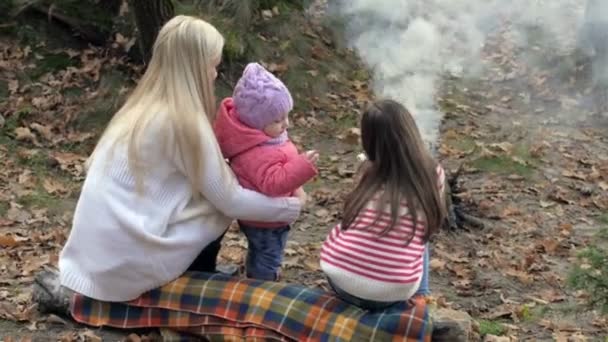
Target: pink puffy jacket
x,y
274,170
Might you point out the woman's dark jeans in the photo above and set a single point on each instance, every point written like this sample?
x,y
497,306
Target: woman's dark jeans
x,y
206,261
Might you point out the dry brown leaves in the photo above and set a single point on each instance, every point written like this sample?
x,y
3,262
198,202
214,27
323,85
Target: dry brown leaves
x,y
38,177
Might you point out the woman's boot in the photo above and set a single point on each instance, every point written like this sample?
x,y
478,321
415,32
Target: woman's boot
x,y
48,293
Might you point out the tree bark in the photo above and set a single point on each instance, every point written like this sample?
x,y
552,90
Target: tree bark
x,y
150,16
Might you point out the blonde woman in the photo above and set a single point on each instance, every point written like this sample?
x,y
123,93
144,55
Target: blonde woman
x,y
157,192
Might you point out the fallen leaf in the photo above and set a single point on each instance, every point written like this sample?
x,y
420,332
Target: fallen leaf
x,y
451,256
124,42
32,265
353,136
494,338
88,335
70,162
317,52
7,241
16,213
278,68
54,319
44,131
292,262
70,336
24,134
550,245
545,204
437,264
79,136
462,284
502,310
267,14
6,311
560,197
503,146
322,212
25,178
552,296
509,211
520,275
575,175
312,264
53,186
13,86
461,270
290,251
133,338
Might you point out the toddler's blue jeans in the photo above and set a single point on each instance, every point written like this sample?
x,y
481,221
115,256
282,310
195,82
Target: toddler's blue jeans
x,y
264,251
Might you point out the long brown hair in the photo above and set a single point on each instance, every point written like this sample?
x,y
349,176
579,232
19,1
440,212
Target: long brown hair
x,y
399,165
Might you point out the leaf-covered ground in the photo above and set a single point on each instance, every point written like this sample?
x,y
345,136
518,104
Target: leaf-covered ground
x,y
534,168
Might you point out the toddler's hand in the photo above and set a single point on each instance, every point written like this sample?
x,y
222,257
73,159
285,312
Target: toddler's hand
x,y
312,156
301,195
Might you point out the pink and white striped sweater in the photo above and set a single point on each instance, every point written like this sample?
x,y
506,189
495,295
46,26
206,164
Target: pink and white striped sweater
x,y
377,267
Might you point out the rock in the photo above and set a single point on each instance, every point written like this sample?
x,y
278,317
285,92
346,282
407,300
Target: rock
x,y
452,326
494,338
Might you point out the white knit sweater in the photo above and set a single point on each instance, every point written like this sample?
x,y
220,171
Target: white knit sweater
x,y
122,244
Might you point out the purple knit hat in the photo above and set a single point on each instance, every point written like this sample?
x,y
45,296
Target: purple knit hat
x,y
260,98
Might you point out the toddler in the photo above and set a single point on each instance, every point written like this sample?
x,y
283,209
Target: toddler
x,y
251,128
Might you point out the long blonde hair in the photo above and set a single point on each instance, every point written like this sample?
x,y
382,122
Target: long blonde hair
x,y
177,84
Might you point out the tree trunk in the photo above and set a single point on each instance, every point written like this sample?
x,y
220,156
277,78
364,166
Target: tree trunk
x,y
150,16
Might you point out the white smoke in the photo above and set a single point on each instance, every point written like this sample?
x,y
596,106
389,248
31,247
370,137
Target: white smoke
x,y
411,44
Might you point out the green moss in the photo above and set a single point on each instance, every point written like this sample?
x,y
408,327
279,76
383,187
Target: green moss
x,y
11,123
461,143
503,165
234,46
282,5
38,199
602,233
87,11
50,63
27,35
532,313
348,120
590,274
519,161
104,106
603,218
4,206
72,93
491,328
37,161
3,90
361,75
180,7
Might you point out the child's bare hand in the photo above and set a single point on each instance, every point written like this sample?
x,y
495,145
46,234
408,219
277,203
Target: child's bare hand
x,y
312,156
301,195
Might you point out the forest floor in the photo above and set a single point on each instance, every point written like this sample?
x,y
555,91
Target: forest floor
x,y
534,169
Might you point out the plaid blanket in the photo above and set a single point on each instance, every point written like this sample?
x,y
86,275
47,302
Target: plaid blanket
x,y
222,308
